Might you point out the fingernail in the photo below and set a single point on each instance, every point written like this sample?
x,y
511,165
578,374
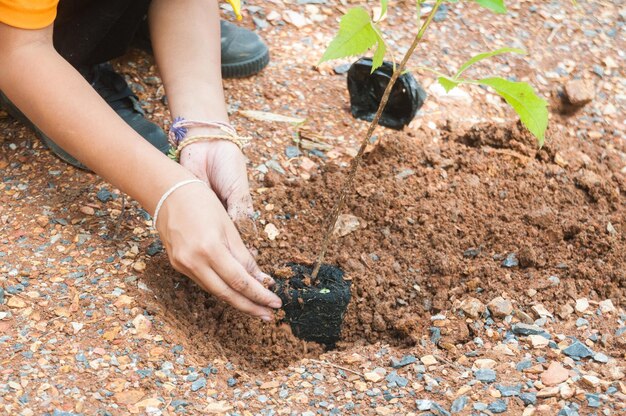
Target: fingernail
x,y
267,318
275,304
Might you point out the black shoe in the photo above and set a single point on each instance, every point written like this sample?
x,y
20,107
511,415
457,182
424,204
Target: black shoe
x,y
113,88
243,51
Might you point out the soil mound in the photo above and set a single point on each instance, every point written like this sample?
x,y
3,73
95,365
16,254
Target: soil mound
x,y
481,212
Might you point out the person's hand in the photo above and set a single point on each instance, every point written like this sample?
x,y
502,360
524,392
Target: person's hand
x,y
222,165
203,243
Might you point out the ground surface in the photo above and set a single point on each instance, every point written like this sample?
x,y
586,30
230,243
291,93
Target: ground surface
x,y
458,211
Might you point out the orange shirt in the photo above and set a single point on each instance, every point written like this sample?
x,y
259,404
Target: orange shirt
x,y
37,14
28,14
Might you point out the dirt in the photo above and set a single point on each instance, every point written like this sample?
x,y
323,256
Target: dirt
x,y
441,217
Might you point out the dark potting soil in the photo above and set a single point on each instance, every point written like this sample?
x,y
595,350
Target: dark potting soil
x,y
422,204
315,312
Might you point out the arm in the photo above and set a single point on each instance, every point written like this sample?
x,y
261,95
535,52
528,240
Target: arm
x,y
38,81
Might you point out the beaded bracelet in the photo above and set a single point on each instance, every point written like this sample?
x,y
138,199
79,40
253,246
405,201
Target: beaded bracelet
x,y
178,132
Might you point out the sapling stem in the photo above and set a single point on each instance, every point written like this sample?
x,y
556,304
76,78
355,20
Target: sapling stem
x,y
354,165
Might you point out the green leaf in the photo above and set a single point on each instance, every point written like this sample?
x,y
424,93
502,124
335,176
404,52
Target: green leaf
x,y
356,35
383,9
531,109
493,5
379,56
447,83
486,55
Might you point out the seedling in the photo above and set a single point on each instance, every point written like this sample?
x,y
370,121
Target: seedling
x,y
360,32
315,306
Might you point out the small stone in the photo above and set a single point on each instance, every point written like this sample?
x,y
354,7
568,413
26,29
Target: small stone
x,y
42,221
15,302
104,195
87,210
500,307
346,224
142,325
565,311
510,261
566,391
606,306
538,341
601,358
485,375
292,151
525,329
400,381
428,360
528,398
484,363
139,266
593,400
404,361
198,384
509,391
473,307
578,350
459,404
555,374
548,392
375,375
231,382
582,305
499,406
591,381
129,397
1,295
579,92
541,312
271,231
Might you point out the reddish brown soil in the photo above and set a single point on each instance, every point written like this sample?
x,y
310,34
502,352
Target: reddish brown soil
x,y
488,189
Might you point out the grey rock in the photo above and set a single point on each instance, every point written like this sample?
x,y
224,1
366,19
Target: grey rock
x,y
525,329
509,391
104,195
399,381
404,361
528,398
510,261
198,384
578,350
459,404
499,406
292,151
593,400
1,295
601,358
485,375
523,365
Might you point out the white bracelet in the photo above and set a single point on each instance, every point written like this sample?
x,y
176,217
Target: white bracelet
x,y
167,194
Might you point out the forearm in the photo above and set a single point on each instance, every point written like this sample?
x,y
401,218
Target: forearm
x,y
63,105
186,41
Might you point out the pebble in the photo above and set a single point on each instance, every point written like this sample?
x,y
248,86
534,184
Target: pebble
x,y
555,374
525,329
404,361
428,360
231,382
591,380
579,92
529,398
473,307
499,406
538,341
578,350
1,295
375,375
500,307
104,195
593,400
606,307
582,305
399,381
485,375
509,391
459,404
484,363
510,261
198,384
601,357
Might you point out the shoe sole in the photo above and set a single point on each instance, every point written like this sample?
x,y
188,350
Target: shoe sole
x,y
247,68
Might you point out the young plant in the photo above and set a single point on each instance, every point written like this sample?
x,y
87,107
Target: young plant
x,y
359,32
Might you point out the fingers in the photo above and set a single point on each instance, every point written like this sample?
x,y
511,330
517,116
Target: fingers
x,y
212,283
239,204
240,280
245,257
